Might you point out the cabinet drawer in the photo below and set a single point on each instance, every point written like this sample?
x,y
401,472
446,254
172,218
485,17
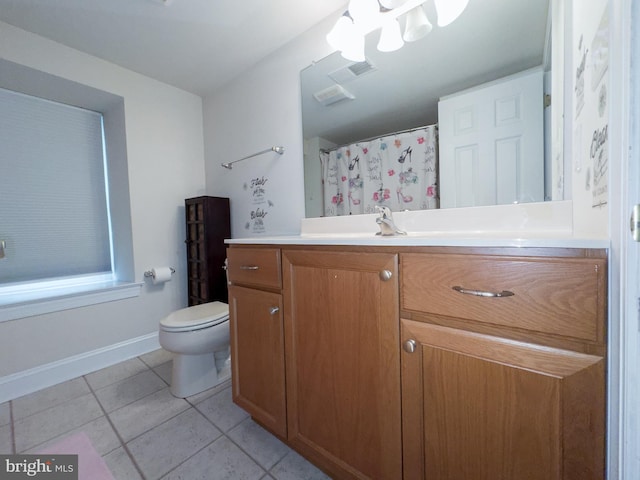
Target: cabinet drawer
x,y
559,296
258,267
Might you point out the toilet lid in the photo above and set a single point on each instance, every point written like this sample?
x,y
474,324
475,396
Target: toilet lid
x,y
196,317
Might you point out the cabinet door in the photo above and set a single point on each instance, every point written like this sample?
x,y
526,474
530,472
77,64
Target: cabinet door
x,y
343,361
257,356
477,407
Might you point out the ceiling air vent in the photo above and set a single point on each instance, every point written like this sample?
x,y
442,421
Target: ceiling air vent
x,y
333,94
350,72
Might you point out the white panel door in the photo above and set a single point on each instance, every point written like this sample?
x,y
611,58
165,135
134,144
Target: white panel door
x,y
491,142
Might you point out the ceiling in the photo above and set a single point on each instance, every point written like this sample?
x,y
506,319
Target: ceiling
x,y
196,45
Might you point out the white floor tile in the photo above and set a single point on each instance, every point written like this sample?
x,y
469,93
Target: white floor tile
x,y
6,444
49,397
47,424
199,397
168,445
221,410
115,373
164,370
121,466
263,447
129,390
5,414
157,357
102,436
296,467
141,416
222,460
205,436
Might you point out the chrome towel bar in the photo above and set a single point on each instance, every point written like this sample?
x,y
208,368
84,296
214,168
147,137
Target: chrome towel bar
x,y
278,150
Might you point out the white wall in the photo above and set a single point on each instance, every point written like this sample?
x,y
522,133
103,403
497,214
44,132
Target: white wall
x,y
165,165
254,112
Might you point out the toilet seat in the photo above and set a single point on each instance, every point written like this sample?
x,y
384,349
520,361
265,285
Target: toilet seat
x,y
197,317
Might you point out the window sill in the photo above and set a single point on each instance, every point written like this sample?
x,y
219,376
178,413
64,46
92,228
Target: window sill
x,y
29,304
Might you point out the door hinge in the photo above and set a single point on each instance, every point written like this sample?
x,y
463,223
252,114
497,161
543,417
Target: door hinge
x,y
547,100
635,223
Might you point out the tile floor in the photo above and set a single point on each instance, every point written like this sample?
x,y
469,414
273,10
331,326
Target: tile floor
x,y
143,432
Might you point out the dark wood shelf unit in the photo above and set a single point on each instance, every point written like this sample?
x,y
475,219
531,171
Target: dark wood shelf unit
x,y
208,224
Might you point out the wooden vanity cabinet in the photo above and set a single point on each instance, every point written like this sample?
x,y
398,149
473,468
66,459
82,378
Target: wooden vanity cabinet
x,y
425,363
257,335
343,361
503,387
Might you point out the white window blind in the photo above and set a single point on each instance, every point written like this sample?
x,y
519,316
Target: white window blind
x,y
54,215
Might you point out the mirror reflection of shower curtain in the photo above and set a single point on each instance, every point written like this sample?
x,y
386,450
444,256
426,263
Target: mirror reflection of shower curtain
x,y
398,171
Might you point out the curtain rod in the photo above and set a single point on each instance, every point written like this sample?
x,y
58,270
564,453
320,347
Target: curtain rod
x,y
380,136
278,150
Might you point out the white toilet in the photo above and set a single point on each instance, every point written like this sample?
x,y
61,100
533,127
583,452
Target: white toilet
x,y
198,337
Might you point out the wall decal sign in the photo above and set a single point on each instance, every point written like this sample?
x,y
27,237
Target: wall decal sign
x,y
579,89
257,191
600,157
600,51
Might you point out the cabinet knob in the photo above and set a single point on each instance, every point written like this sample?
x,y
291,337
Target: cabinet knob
x,y
409,346
274,310
385,275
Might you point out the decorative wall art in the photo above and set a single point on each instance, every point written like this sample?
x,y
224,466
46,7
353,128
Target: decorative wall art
x,y
256,188
590,131
599,141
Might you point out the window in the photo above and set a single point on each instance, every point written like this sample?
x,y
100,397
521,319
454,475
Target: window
x,y
54,213
56,178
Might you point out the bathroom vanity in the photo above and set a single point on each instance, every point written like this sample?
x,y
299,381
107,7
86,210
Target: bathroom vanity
x,y
416,359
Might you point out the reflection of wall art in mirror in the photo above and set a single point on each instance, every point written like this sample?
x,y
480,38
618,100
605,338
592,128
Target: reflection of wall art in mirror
x,y
400,90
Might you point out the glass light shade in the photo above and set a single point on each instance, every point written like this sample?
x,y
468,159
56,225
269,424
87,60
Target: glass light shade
x,y
353,48
390,37
391,4
417,26
338,36
364,11
449,10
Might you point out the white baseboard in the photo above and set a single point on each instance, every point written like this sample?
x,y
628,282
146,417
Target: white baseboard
x,y
29,381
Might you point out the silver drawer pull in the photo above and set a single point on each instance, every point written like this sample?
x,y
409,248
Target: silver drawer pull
x,y
274,310
480,293
249,267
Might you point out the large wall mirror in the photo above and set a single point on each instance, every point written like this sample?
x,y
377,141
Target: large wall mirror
x,y
491,40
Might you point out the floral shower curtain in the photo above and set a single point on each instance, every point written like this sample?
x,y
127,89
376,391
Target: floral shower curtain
x,y
398,171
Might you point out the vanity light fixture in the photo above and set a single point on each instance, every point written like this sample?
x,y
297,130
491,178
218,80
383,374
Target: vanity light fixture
x,y
390,36
391,4
365,16
418,25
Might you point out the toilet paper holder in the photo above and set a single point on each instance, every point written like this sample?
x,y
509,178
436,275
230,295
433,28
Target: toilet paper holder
x,y
149,273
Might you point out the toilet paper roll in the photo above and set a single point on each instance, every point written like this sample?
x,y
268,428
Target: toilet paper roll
x,y
160,275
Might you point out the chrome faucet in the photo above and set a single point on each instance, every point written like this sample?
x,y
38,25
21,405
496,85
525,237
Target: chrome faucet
x,y
385,221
